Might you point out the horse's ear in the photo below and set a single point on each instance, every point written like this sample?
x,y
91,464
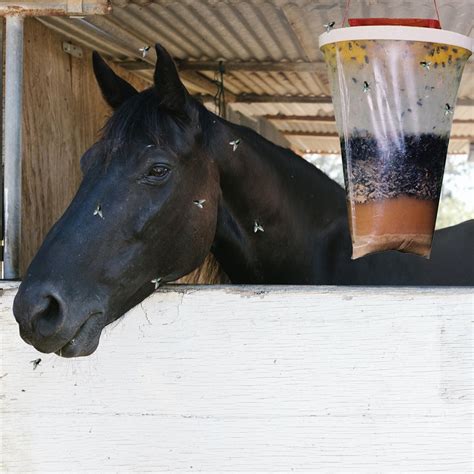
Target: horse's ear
x,y
168,86
114,89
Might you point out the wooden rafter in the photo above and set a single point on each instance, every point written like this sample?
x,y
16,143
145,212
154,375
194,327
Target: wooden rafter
x,y
243,66
301,118
55,7
331,119
295,133
270,99
297,99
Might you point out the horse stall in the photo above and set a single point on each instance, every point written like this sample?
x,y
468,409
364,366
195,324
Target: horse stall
x,y
204,375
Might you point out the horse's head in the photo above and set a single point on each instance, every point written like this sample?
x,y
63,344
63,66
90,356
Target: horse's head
x,y
145,214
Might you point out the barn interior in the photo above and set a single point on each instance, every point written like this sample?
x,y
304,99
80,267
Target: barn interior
x,y
237,378
255,62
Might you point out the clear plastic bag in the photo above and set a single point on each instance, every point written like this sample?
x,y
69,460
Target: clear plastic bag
x,y
394,92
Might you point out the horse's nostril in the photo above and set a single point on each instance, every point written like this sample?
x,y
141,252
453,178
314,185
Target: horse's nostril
x,y
49,319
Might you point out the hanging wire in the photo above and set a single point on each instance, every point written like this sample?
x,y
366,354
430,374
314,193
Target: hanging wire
x,y
346,12
437,12
219,98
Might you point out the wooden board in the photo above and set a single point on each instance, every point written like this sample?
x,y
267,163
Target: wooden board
x,y
63,114
251,379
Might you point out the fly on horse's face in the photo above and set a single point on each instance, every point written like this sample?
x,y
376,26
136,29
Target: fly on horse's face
x,y
147,194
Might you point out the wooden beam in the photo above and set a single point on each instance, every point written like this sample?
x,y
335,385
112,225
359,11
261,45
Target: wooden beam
x,y
205,84
287,99
124,3
467,102
254,98
329,119
253,66
243,66
55,8
301,118
309,151
295,133
250,66
296,99
308,376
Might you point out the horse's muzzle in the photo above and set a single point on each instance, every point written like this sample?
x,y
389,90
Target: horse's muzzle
x,y
50,325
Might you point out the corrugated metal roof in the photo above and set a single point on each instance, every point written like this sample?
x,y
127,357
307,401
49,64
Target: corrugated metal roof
x,y
246,35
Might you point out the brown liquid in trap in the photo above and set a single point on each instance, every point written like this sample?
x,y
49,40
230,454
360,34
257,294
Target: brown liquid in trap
x,y
402,223
393,190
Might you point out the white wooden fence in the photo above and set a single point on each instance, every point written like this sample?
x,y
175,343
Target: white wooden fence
x,y
251,379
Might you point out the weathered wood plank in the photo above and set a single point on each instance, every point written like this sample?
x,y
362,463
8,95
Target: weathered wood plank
x,y
252,379
63,112
61,8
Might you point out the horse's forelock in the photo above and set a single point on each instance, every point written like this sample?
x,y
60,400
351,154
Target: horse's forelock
x,y
142,119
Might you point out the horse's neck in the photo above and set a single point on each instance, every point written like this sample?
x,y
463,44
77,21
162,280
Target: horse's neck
x,y
274,211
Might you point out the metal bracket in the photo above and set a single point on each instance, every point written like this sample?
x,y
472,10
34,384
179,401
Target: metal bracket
x,y
73,50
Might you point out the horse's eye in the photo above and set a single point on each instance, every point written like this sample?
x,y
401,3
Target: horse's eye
x,y
158,171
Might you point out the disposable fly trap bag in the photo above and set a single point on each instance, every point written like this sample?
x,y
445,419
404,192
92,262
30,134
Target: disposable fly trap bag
x,y
394,93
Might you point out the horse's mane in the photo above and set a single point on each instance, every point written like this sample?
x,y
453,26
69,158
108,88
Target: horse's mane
x,y
209,273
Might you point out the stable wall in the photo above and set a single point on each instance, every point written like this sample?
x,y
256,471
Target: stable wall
x,y
63,113
251,379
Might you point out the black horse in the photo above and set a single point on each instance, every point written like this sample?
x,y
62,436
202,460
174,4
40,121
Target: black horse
x,y
167,183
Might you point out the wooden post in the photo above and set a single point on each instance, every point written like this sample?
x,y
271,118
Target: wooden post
x,y
15,12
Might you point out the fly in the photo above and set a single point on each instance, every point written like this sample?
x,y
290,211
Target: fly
x,y
257,227
157,282
199,203
235,143
144,50
98,211
35,363
329,26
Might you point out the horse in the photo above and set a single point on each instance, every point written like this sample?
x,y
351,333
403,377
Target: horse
x,y
168,182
